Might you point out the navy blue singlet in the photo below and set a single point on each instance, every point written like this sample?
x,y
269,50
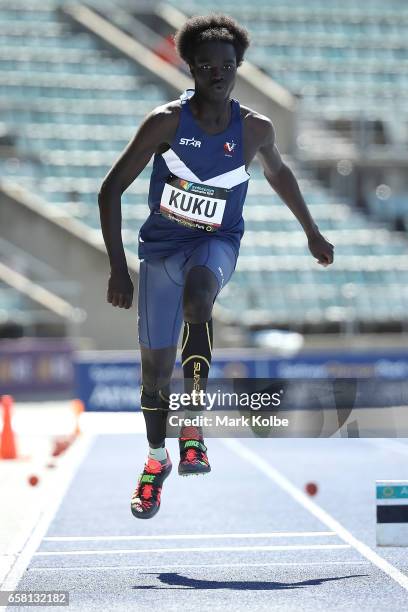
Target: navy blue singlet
x,y
197,188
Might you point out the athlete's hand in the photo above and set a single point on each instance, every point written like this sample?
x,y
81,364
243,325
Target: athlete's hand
x,y
120,289
321,249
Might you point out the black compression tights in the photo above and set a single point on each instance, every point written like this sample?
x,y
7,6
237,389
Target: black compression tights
x,y
200,291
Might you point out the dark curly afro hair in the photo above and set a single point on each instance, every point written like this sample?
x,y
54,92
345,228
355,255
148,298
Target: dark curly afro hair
x,y
214,27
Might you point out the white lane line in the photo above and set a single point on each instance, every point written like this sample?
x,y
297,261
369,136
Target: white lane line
x,y
281,480
67,467
132,551
201,536
80,568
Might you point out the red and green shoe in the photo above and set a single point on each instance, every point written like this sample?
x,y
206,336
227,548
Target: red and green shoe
x,y
193,458
145,502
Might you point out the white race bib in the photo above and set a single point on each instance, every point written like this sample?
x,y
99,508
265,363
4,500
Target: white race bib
x,y
192,204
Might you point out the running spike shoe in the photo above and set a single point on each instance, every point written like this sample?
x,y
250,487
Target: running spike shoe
x,y
145,501
193,458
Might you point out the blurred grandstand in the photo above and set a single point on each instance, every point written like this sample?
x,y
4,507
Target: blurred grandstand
x,y
73,90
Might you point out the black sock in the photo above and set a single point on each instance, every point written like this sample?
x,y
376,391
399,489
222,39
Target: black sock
x,y
196,356
155,418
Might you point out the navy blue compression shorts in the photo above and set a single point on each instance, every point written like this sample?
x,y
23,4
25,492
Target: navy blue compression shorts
x,y
161,285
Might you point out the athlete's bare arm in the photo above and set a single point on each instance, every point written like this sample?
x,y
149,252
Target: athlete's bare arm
x,y
259,139
154,135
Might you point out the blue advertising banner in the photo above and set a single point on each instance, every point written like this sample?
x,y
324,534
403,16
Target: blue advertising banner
x,y
34,367
110,381
108,385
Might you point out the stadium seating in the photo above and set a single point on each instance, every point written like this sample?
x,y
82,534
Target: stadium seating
x,y
20,311
338,57
392,209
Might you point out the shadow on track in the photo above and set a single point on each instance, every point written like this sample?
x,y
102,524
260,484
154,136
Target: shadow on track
x,y
176,580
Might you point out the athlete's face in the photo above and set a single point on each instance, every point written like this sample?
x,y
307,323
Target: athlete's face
x,y
214,69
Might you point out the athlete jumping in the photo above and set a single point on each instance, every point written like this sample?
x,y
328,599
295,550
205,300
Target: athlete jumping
x,y
203,144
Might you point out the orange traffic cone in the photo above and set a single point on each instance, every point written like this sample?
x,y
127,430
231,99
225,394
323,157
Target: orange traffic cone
x,y
78,408
8,449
